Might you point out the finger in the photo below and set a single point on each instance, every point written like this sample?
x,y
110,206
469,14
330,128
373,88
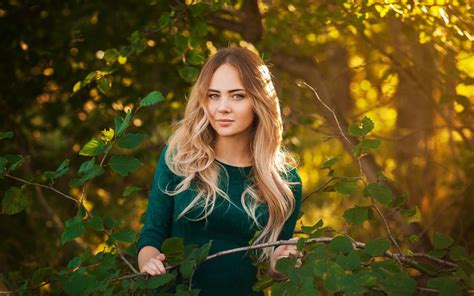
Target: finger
x,y
298,263
150,270
158,265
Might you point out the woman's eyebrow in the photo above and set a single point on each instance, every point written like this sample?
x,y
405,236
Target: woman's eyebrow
x,y
230,91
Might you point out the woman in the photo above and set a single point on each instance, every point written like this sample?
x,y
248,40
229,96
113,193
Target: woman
x,y
223,176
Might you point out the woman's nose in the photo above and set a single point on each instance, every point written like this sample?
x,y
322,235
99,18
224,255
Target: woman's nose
x,y
224,105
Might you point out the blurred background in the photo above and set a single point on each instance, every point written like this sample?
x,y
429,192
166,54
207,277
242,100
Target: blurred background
x,y
69,67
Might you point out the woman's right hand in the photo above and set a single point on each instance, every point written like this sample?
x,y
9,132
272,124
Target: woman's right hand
x,y
155,265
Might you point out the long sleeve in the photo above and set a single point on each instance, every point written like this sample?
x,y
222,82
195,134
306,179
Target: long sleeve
x,y
289,226
159,212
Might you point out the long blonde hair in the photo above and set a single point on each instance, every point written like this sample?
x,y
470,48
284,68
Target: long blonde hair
x,y
190,152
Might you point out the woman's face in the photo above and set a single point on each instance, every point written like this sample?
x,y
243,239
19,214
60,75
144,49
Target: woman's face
x,y
229,107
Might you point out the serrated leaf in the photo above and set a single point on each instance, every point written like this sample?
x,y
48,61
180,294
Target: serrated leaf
x,y
189,74
159,280
123,165
350,261
111,55
131,140
365,146
310,229
187,267
104,85
329,163
411,215
74,262
74,228
109,222
356,215
124,235
60,171
346,187
380,193
174,250
377,247
129,190
92,148
86,166
6,135
14,201
93,172
95,223
121,125
341,244
14,161
363,128
152,98
441,241
446,285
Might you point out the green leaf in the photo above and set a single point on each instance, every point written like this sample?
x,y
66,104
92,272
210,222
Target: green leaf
x,y
14,201
41,274
159,280
187,267
200,29
104,85
361,129
400,201
6,135
75,283
346,187
74,228
350,261
356,215
310,229
124,235
3,162
398,284
196,58
381,193
123,165
74,262
458,253
174,250
60,171
86,166
365,146
152,98
92,148
411,215
121,125
341,244
93,172
129,190
15,161
329,163
131,140
377,247
111,55
332,281
189,74
446,285
441,241
109,222
95,223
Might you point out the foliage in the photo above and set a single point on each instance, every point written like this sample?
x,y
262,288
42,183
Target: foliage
x,y
75,93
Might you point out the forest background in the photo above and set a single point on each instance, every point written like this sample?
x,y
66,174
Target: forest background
x,y
71,71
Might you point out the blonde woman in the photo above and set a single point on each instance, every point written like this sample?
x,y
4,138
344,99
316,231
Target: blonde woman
x,y
223,176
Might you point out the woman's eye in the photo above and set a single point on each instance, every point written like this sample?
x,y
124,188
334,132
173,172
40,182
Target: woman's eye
x,y
239,96
213,96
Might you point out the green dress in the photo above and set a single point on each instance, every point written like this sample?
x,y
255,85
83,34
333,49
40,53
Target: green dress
x,y
228,226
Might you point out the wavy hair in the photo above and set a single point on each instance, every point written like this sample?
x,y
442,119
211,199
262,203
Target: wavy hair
x,y
190,152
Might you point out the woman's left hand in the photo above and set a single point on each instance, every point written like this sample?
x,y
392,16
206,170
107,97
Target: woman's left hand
x,y
282,252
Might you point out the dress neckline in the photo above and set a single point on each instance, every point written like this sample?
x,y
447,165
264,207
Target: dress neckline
x,y
233,166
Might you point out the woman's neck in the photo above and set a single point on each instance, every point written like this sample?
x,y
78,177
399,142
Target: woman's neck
x,y
233,151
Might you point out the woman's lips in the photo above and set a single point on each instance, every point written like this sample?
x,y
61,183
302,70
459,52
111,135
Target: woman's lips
x,y
224,122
